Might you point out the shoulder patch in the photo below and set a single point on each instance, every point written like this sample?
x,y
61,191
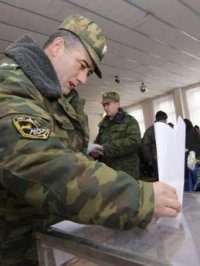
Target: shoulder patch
x,y
31,128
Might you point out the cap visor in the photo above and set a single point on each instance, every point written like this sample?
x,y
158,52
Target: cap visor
x,y
93,55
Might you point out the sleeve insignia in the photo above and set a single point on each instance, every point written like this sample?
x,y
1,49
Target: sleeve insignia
x,y
31,128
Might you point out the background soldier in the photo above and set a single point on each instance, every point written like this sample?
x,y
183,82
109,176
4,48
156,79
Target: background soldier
x,y
119,135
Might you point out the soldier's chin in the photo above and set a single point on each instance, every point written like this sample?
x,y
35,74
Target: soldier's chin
x,y
66,90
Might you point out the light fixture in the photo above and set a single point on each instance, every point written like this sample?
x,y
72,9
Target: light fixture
x,y
143,87
117,79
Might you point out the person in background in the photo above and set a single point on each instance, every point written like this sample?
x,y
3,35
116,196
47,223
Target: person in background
x,y
192,138
192,145
119,137
46,175
197,127
148,146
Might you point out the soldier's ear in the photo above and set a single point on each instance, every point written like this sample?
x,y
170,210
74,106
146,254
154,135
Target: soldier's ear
x,y
57,46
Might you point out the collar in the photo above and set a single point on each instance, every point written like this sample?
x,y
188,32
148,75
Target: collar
x,y
36,65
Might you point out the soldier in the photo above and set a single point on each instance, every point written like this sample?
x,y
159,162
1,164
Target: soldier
x,y
45,174
119,135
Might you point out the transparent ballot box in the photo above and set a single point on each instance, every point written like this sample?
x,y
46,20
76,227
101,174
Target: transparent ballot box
x,y
68,243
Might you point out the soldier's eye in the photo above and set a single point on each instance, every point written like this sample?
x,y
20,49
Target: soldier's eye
x,y
90,72
84,65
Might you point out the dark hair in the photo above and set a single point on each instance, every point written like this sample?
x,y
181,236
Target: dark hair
x,y
160,115
69,38
188,124
170,124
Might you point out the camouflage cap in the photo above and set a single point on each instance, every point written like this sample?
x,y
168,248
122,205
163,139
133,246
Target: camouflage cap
x,y
110,97
90,35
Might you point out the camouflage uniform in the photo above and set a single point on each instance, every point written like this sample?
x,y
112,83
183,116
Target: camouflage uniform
x,y
45,175
120,138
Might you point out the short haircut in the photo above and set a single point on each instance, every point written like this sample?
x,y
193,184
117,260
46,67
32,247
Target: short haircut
x,y
160,115
70,39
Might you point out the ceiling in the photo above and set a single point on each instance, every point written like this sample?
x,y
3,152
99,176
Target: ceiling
x,y
152,41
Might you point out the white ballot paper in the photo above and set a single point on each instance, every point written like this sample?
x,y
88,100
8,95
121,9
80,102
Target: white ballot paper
x,y
170,144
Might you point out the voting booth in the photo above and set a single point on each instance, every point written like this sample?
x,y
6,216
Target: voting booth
x,y
69,243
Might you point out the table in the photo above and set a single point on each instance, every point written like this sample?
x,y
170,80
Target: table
x,y
68,243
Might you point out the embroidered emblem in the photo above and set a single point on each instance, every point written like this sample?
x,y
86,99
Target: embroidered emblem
x,y
31,128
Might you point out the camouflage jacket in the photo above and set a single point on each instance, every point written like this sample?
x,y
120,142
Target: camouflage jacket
x,y
120,138
44,174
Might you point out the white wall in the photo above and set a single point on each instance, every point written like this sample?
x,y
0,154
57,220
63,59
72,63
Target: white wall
x,y
180,103
93,120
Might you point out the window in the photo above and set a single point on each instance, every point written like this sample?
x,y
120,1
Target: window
x,y
166,104
137,113
193,100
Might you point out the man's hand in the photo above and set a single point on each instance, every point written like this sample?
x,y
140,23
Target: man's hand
x,y
166,203
95,153
95,150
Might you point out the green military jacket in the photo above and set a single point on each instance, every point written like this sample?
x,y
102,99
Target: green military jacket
x,y
45,175
120,138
